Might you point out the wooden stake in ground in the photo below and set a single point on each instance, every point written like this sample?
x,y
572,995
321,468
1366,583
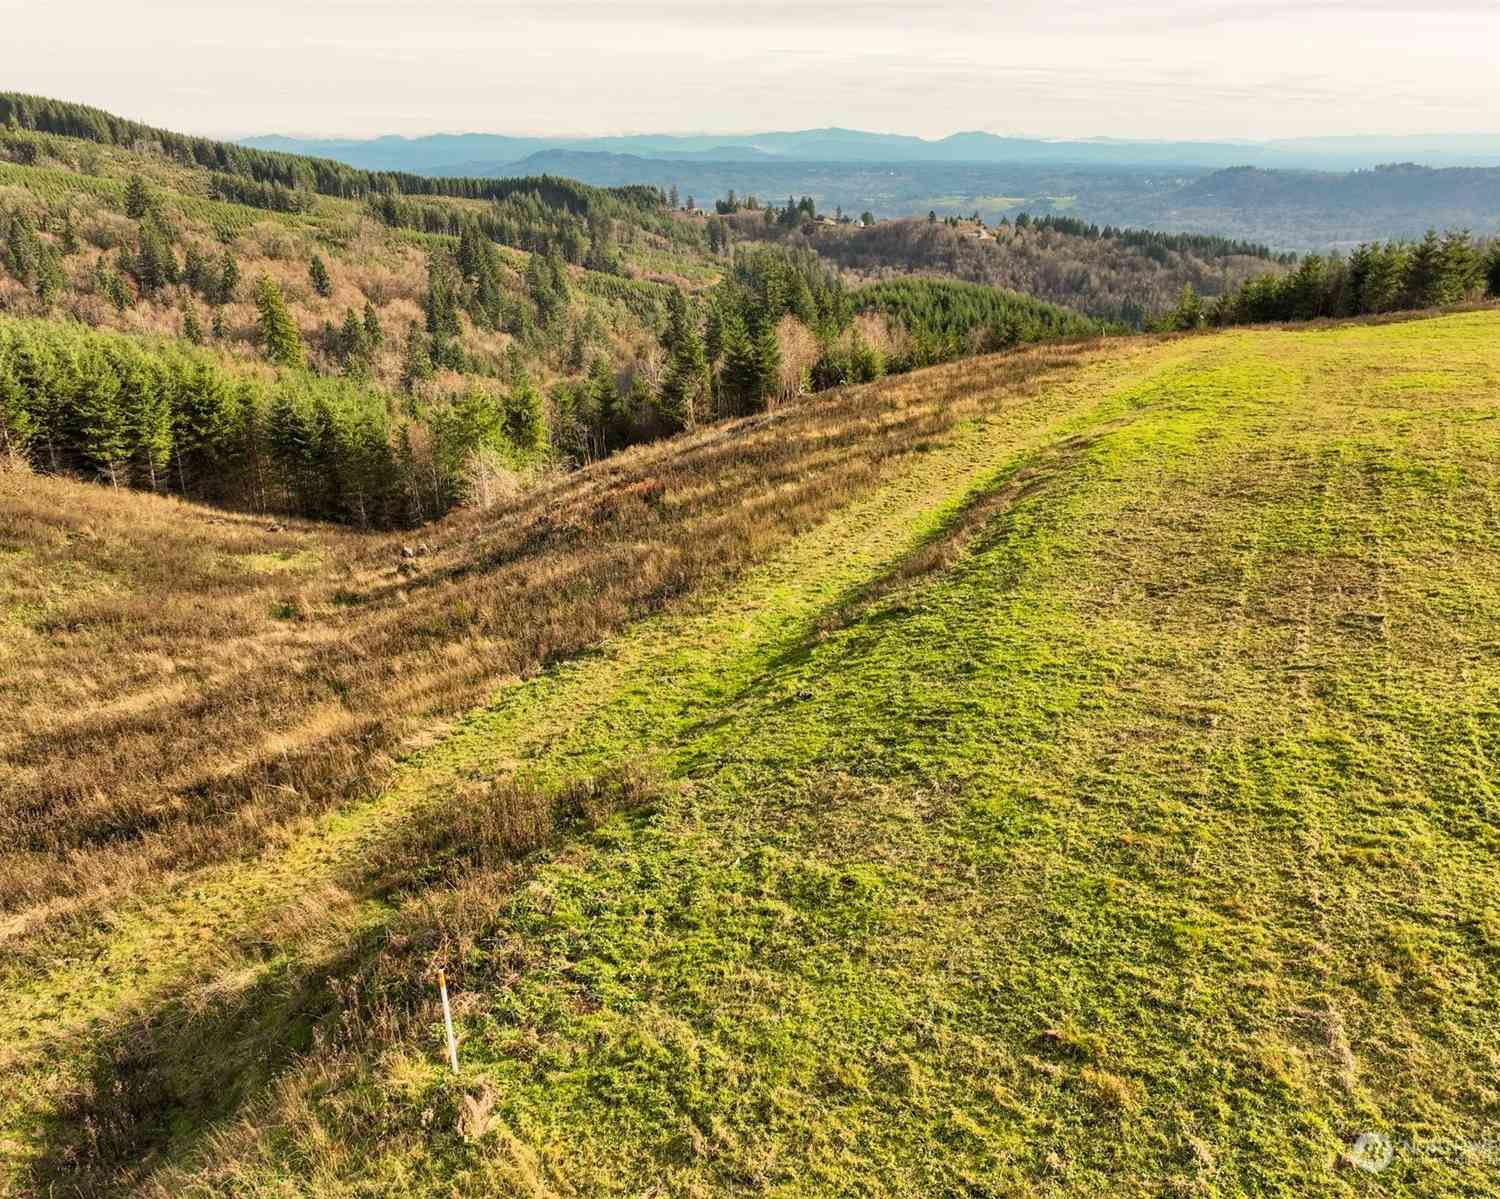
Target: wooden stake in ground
x,y
448,1021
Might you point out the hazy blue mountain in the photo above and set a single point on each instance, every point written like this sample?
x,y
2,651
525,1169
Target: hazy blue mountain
x,y
441,153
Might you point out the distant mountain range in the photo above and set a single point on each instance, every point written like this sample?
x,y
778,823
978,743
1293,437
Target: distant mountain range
x,y
445,153
1301,194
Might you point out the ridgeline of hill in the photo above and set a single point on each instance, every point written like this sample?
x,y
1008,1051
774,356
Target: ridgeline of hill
x,y
1060,772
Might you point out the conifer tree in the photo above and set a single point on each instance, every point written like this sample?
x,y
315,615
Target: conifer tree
x,y
374,334
1492,271
278,332
218,324
109,283
416,363
146,404
137,198
767,365
352,347
69,239
104,436
525,418
685,386
317,272
16,425
1424,273
229,278
191,328
154,265
50,277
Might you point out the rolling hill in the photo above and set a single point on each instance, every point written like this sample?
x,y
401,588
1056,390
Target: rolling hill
x,y
1055,773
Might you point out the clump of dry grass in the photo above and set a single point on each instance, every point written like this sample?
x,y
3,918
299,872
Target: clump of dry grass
x,y
184,684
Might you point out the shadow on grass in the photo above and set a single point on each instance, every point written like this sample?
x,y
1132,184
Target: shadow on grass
x,y
162,1081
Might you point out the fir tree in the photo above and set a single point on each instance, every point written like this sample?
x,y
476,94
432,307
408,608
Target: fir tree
x,y
683,399
1424,273
278,332
317,272
352,348
110,284
442,298
137,198
154,265
767,366
104,436
191,328
229,278
525,419
416,362
218,325
50,277
374,334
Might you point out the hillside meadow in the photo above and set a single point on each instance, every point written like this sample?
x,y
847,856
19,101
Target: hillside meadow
x,y
1045,774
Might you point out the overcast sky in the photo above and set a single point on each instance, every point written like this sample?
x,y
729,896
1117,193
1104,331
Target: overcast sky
x,y
1063,68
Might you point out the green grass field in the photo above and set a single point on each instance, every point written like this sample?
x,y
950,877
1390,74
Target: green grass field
x,y
1107,805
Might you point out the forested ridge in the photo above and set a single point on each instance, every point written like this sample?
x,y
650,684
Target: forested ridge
x,y
294,336
1124,276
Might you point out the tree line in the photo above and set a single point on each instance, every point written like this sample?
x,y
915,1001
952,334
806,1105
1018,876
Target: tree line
x,y
171,418
1377,277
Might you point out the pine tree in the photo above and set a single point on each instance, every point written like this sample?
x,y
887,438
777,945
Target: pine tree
x,y
353,351
229,278
1492,271
191,328
69,241
713,334
525,418
137,198
1460,267
50,276
604,399
146,404
767,366
219,324
739,374
442,298
374,334
104,435
17,428
416,363
317,271
1188,315
685,386
154,265
278,332
109,283
1424,273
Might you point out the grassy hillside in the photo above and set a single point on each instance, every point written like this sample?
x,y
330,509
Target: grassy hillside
x,y
1094,792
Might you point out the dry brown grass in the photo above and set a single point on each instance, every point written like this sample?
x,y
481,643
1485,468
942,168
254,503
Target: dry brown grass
x,y
183,684
445,874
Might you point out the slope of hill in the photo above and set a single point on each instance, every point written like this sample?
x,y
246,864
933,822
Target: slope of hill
x,y
1070,782
1114,275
